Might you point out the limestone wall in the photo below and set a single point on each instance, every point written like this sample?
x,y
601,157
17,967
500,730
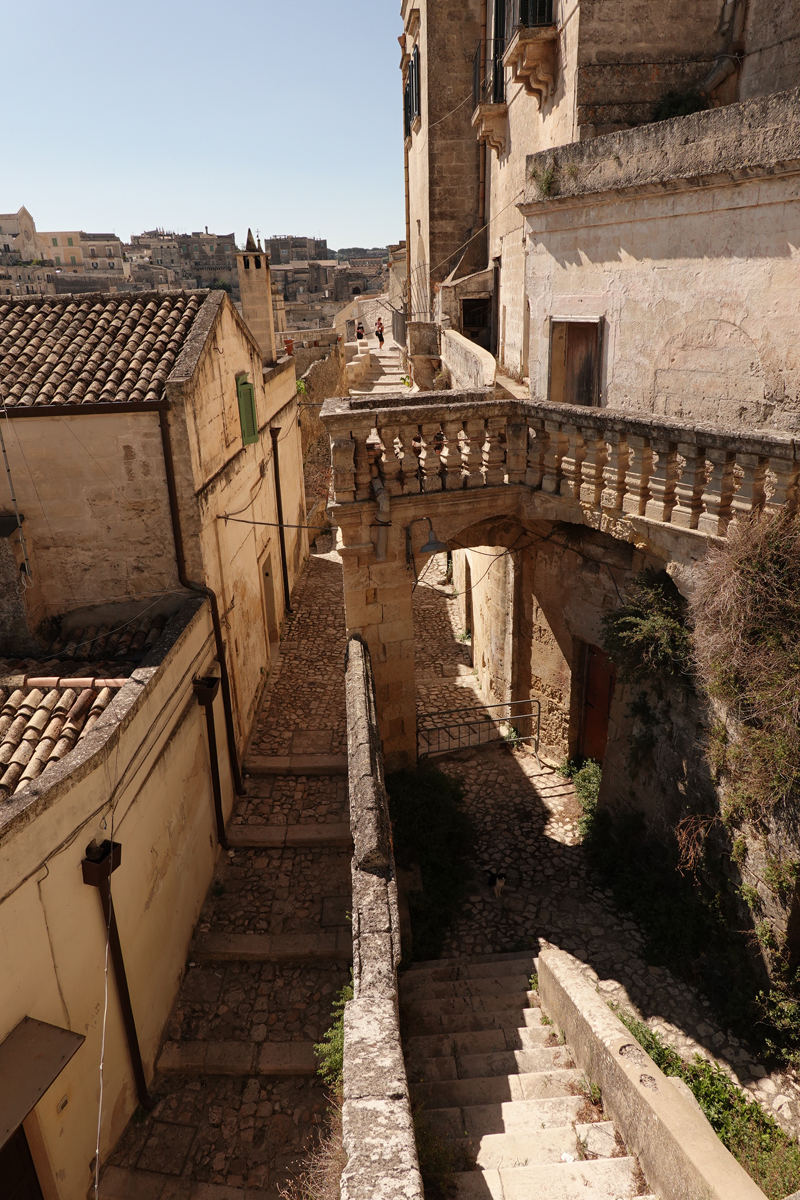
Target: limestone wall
x,y
324,378
142,778
772,48
470,366
376,1115
681,238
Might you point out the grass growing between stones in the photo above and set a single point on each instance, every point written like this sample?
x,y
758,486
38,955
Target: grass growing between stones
x,y
432,830
768,1154
330,1050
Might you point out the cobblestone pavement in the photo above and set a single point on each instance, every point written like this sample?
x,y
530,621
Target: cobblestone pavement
x,y
241,1136
526,819
304,711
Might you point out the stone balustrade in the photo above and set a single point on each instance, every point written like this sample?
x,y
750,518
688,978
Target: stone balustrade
x,y
677,472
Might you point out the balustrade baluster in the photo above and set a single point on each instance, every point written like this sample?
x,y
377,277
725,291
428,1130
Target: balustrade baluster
x,y
363,459
453,467
591,473
516,451
411,472
786,471
430,466
614,471
689,486
662,480
344,476
391,464
553,455
637,476
750,495
571,462
494,452
474,455
537,445
717,493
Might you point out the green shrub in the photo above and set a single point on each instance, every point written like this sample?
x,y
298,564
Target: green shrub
x,y
769,1155
431,829
585,774
648,638
330,1050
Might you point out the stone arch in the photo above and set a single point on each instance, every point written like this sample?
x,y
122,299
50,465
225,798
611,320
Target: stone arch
x,y
711,371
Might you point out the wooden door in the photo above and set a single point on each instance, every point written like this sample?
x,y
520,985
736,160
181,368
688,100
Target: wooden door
x,y
18,1179
581,365
598,690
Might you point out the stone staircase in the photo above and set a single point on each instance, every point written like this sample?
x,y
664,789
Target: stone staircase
x,y
385,374
495,1083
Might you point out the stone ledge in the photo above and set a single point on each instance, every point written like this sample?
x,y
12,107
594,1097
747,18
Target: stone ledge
x,y
297,764
238,1058
680,1153
272,837
119,1184
335,946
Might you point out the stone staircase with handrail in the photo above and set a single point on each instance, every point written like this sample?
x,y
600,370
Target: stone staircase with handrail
x,y
496,1085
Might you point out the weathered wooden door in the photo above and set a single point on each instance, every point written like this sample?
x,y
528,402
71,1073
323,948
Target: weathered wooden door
x,y
581,363
598,690
17,1173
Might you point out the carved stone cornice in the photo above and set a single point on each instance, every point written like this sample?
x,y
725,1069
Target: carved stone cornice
x,y
491,122
531,54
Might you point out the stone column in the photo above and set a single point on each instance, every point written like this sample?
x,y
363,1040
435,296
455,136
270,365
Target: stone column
x,y
377,599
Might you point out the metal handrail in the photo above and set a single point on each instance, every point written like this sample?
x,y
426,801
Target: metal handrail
x,y
466,732
491,89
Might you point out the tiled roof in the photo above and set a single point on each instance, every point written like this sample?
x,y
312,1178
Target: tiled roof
x,y
91,349
41,721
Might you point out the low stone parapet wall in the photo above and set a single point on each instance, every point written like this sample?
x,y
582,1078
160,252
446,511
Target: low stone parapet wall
x,y
377,1124
469,364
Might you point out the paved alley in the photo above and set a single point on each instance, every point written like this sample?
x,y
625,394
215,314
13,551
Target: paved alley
x,y
237,1097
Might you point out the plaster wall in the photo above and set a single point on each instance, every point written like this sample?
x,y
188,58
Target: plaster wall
x,y
698,291
142,777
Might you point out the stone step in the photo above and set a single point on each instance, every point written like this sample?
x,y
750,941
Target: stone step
x,y
417,991
418,1016
416,1024
246,837
480,1041
333,946
435,964
296,764
498,1089
601,1179
238,1058
495,1151
120,1184
457,969
518,1117
504,1062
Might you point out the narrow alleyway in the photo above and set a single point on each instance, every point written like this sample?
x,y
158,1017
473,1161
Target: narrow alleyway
x,y
526,819
237,1096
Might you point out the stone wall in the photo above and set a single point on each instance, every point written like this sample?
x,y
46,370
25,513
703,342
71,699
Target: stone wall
x,y
376,1115
678,238
772,48
323,379
470,366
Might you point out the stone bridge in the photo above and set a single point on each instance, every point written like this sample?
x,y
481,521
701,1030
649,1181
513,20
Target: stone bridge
x,y
482,469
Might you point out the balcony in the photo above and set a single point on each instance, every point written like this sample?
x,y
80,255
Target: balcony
x,y
490,116
531,46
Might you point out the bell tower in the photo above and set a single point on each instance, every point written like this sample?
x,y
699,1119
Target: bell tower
x,y
255,287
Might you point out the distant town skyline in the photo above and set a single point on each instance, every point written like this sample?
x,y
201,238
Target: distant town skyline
x,y
285,126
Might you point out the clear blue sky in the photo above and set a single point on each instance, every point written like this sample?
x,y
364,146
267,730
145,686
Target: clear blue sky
x,y
286,116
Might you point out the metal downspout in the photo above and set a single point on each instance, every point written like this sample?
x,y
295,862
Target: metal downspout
x,y
202,589
206,691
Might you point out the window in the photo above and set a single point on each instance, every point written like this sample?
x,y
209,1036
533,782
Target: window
x,y
411,108
94,266
528,13
110,266
69,241
73,260
247,411
110,251
575,352
93,252
55,241
58,261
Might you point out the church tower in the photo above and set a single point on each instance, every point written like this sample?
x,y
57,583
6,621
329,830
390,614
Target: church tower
x,y
255,287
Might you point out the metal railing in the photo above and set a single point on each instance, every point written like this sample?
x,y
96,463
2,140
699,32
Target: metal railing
x,y
481,725
527,13
489,86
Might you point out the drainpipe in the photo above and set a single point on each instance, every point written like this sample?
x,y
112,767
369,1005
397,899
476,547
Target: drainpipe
x,y
482,145
730,30
409,316
287,599
383,521
97,866
205,690
204,590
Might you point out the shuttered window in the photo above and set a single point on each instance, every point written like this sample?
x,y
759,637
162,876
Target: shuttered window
x,y
247,412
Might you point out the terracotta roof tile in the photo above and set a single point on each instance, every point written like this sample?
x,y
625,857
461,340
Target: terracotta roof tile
x,y
114,349
40,725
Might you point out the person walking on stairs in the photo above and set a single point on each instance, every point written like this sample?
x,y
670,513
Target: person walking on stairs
x,y
379,332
